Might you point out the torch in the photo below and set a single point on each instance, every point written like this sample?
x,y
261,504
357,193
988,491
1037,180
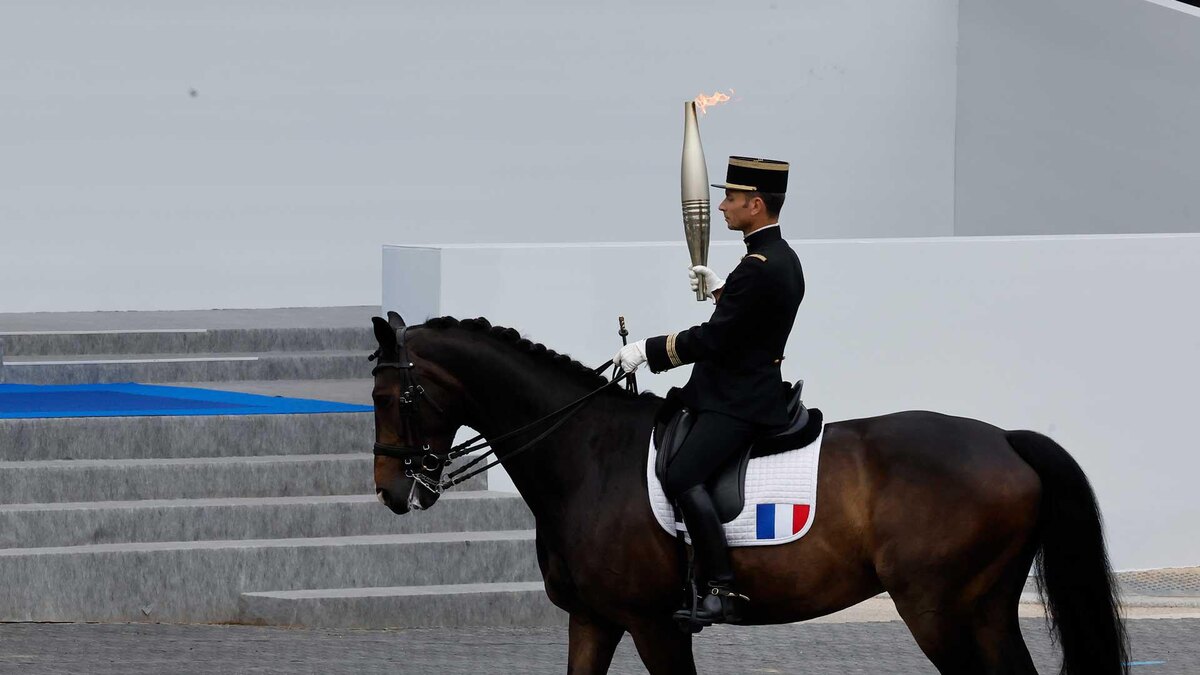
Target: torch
x,y
694,192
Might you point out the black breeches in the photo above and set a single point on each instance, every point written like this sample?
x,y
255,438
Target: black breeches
x,y
713,440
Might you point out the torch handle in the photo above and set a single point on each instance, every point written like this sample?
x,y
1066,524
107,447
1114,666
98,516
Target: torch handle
x,y
702,291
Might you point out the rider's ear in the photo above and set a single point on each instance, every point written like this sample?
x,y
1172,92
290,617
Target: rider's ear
x,y
395,320
386,336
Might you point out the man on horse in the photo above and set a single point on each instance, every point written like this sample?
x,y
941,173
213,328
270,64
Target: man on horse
x,y
736,387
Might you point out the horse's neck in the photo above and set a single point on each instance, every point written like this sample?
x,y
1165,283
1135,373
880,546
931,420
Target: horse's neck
x,y
521,402
550,471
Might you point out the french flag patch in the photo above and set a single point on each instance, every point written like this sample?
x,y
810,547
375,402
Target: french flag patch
x,y
780,521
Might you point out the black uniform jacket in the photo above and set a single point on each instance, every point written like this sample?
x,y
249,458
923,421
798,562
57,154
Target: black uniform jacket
x,y
738,351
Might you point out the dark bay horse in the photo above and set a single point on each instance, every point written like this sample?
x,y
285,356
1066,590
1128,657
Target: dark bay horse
x,y
946,514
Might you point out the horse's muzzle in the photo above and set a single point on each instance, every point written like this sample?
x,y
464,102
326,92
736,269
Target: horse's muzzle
x,y
388,499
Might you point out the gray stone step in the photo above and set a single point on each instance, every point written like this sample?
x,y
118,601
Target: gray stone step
x,y
185,436
188,341
175,367
354,316
53,481
201,582
513,604
83,523
1167,582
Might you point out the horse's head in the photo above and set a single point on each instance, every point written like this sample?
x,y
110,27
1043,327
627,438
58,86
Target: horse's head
x,y
417,408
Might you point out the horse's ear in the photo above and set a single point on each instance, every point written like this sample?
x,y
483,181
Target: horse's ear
x,y
385,335
395,320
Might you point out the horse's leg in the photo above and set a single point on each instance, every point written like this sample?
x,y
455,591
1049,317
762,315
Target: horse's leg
x,y
984,639
1001,646
943,634
665,650
997,628
591,643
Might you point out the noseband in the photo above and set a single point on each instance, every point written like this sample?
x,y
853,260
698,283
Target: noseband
x,y
419,446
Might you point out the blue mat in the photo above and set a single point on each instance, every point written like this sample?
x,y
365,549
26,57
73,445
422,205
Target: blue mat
x,y
25,401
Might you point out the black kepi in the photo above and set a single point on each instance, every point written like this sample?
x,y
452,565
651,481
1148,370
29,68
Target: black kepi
x,y
755,175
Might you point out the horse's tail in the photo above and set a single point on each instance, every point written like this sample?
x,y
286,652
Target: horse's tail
x,y
1074,576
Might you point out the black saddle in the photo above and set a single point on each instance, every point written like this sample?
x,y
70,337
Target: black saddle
x,y
727,486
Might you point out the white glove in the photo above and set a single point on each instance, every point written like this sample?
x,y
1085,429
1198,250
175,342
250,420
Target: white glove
x,y
712,282
631,356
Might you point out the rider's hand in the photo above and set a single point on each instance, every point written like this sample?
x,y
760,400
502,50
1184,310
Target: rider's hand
x,y
712,282
631,356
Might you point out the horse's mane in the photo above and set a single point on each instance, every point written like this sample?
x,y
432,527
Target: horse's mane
x,y
512,338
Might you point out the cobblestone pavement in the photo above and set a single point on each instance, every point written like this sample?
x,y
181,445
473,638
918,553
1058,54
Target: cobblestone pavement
x,y
1160,646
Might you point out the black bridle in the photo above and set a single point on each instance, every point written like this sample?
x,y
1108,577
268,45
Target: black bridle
x,y
419,447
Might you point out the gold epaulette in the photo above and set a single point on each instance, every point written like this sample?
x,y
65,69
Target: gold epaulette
x,y
756,255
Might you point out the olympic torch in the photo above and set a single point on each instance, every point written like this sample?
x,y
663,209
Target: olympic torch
x,y
694,192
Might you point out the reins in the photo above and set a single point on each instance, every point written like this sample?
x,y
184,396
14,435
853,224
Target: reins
x,y
430,460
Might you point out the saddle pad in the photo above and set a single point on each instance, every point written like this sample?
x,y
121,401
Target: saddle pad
x,y
781,498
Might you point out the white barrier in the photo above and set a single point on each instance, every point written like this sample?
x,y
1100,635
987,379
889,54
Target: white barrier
x,y
1093,340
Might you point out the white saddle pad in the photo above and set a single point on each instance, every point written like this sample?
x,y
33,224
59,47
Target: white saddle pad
x,y
781,498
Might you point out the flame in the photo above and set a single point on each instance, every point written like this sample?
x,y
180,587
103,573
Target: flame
x,y
703,102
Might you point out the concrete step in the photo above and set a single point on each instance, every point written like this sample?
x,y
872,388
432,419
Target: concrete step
x,y
188,341
201,582
1163,583
149,368
55,481
513,604
353,316
185,436
84,523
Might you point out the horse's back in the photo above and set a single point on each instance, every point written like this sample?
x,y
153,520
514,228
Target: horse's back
x,y
926,490
911,444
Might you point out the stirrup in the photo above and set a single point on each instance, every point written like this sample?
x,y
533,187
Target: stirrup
x,y
695,617
685,616
688,618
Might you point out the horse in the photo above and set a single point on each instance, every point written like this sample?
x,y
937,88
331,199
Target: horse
x,y
946,514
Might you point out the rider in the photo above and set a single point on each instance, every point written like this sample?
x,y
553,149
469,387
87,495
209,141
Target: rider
x,y
736,386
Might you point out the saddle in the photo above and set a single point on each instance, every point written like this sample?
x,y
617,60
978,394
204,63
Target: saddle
x,y
727,485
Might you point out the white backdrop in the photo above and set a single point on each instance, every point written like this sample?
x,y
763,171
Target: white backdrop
x,y
319,130
1073,117
1093,340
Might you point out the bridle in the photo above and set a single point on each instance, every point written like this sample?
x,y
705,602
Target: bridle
x,y
419,449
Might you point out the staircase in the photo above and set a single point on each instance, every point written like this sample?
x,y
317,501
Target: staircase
x,y
265,519
186,355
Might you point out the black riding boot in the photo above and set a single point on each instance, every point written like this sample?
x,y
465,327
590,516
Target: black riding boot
x,y
717,602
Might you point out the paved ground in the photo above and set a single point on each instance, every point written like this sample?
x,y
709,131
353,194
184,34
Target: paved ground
x,y
1160,646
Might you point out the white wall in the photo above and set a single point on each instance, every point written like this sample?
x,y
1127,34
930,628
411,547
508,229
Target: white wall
x,y
1091,340
1078,117
321,129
